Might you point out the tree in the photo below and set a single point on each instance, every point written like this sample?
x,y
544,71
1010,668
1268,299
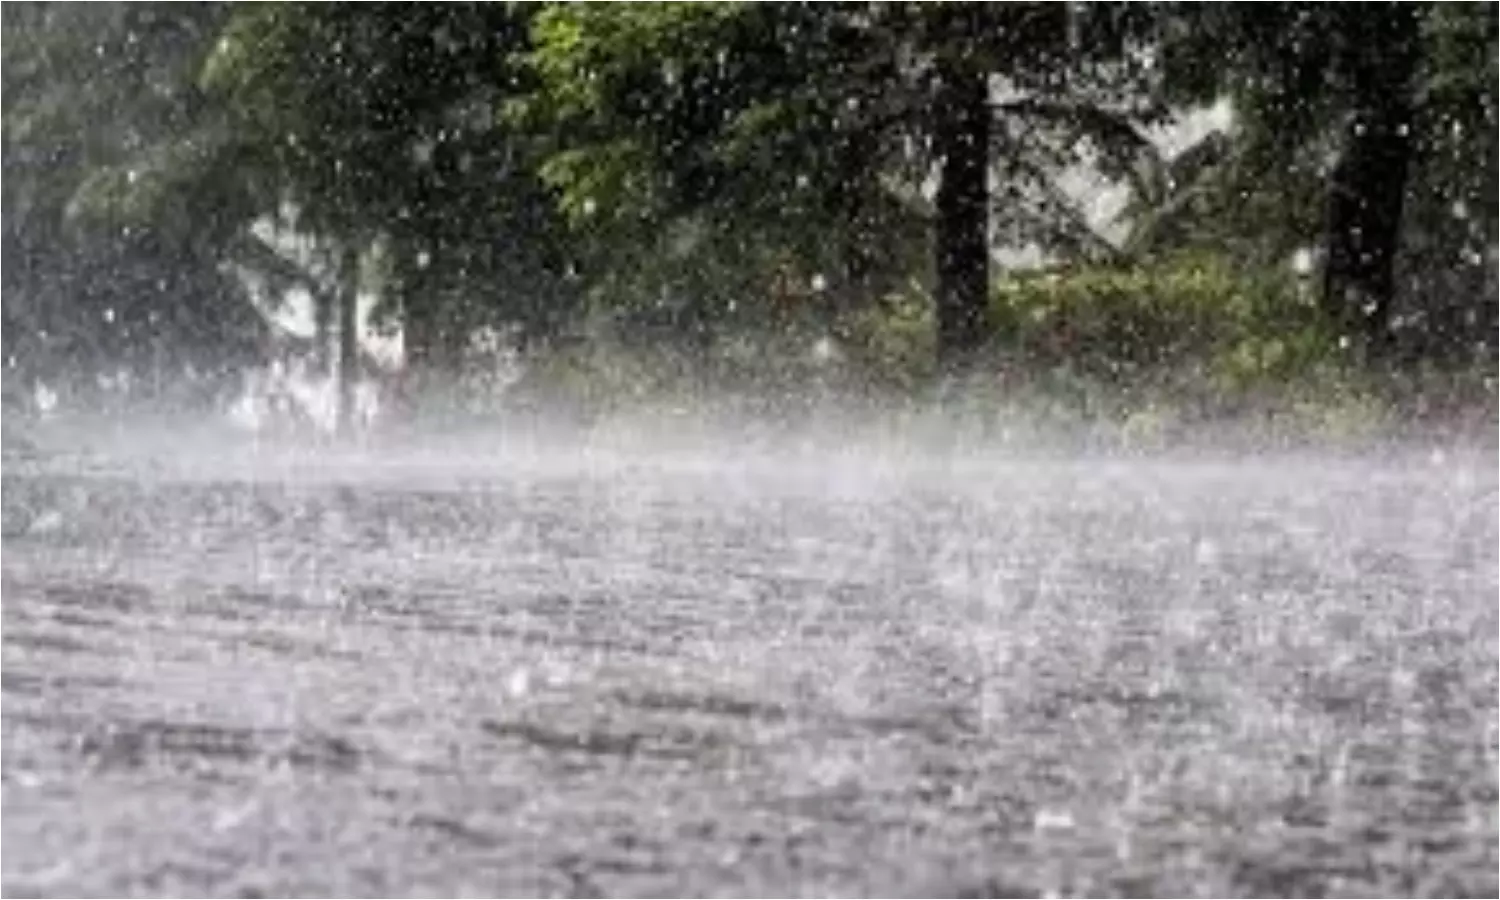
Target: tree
x,y
961,146
1391,94
118,210
714,154
379,125
1377,54
819,129
1447,270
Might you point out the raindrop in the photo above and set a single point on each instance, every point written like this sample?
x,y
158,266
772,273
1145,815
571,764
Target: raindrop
x,y
45,398
1302,261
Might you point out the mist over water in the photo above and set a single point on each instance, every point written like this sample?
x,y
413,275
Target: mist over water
x,y
650,662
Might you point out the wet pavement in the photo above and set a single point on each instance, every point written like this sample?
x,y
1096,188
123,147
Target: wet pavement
x,y
578,673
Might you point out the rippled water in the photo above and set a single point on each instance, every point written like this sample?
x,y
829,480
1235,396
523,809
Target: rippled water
x,y
578,673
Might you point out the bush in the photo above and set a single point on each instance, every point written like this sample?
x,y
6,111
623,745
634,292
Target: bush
x,y
1194,314
1190,328
1171,348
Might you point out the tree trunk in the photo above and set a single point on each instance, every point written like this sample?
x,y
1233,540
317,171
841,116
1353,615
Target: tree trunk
x,y
349,361
419,326
323,303
961,138
430,359
1366,191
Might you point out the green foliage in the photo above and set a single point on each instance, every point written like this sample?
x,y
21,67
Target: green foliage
x,y
1187,317
707,152
705,192
890,345
1307,82
798,140
383,121
119,209
1448,269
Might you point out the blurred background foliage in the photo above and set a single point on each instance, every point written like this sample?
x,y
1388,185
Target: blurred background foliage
x,y
1114,208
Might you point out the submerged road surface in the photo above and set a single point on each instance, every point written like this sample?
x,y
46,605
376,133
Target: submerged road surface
x,y
636,675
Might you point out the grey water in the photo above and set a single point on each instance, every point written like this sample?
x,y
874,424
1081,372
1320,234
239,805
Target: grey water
x,y
569,671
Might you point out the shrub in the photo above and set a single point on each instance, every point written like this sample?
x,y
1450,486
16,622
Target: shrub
x,y
1186,327
1194,312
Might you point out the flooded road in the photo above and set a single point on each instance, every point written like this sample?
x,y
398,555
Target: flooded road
x,y
625,674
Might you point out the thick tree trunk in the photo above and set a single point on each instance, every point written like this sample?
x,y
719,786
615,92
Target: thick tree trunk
x,y
1366,192
349,361
962,138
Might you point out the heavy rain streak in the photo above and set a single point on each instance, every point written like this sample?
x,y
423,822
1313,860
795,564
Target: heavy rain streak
x,y
862,449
